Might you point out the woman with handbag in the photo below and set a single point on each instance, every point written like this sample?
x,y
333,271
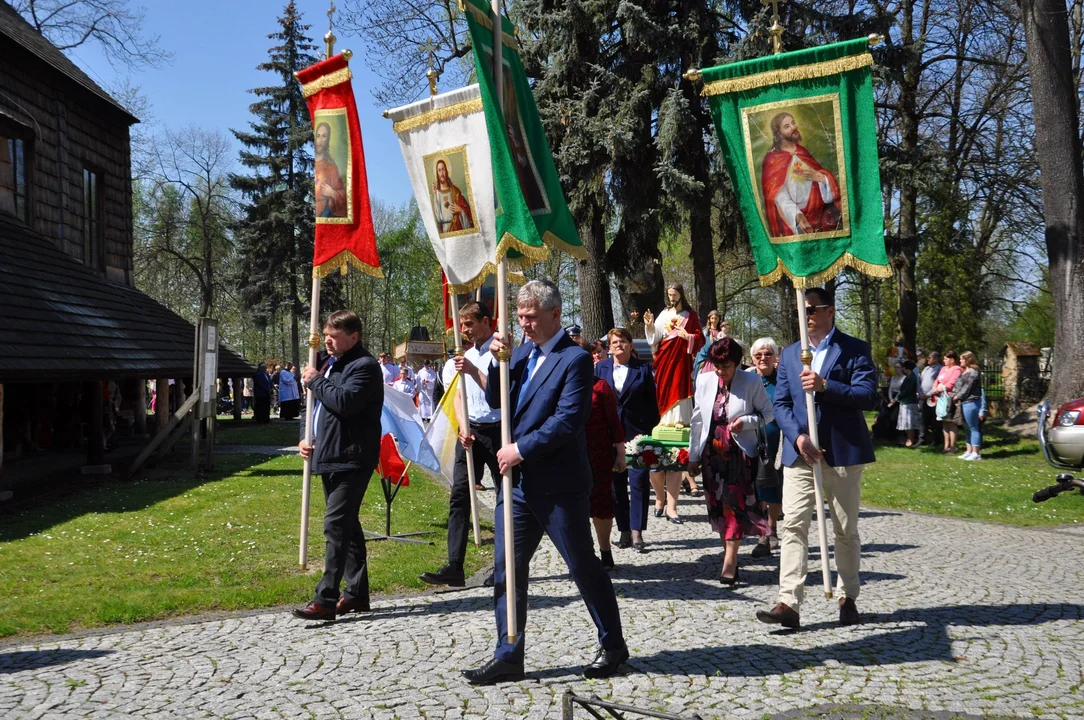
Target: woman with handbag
x,y
729,406
765,360
945,408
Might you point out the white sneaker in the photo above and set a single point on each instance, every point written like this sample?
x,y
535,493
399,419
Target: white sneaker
x,y
965,456
975,456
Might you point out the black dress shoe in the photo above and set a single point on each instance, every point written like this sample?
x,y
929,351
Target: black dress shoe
x,y
349,605
488,582
659,512
494,671
848,612
731,580
625,540
676,519
639,547
451,575
315,611
606,662
607,559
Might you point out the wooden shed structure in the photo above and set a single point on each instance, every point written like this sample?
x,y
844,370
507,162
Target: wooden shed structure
x,y
72,324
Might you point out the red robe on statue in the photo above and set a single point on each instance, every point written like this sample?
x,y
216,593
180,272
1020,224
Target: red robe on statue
x,y
822,216
674,363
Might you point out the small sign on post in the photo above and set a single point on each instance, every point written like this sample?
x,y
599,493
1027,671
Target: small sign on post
x,y
205,374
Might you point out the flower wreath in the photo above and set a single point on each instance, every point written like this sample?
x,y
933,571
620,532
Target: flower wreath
x,y
644,452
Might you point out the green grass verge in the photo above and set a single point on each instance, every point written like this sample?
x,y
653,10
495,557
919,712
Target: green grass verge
x,y
277,433
150,549
998,488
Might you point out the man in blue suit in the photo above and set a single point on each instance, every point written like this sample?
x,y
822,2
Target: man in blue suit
x,y
551,379
844,381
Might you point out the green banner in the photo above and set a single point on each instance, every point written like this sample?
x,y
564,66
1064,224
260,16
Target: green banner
x,y
531,209
799,138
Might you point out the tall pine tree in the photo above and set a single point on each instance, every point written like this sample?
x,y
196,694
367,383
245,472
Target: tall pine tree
x,y
275,234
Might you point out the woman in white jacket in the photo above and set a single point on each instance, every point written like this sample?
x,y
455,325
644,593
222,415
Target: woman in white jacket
x,y
728,407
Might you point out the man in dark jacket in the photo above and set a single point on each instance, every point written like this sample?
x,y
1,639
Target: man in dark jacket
x,y
349,394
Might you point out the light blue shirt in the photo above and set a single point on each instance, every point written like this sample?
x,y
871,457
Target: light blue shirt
x,y
821,350
319,405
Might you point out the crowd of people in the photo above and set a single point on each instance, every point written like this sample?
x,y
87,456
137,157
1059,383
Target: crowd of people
x,y
578,406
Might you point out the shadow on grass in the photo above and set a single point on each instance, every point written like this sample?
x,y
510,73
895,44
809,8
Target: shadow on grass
x,y
23,660
22,519
925,640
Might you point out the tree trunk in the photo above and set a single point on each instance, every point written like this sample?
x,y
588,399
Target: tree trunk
x,y
788,313
1058,149
596,307
295,314
905,247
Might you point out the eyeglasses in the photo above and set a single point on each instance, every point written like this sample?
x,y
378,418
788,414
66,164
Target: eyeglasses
x,y
810,309
763,355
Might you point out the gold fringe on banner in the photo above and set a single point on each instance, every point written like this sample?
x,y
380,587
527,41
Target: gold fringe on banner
x,y
488,269
341,262
326,81
846,260
778,77
530,253
440,114
576,251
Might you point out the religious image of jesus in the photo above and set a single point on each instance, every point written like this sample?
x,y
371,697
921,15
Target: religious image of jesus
x,y
329,190
801,196
450,208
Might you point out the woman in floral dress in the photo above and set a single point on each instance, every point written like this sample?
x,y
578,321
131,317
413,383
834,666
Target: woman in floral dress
x,y
729,405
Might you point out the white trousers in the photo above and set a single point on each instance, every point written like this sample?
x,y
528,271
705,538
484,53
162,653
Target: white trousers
x,y
843,490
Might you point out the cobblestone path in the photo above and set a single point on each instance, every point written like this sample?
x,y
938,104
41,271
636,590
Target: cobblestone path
x,y
960,619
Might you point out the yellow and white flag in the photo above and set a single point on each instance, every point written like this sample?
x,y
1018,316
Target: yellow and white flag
x,y
443,429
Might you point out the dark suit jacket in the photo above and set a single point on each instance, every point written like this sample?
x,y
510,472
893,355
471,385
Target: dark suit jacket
x,y
548,426
637,405
352,396
851,389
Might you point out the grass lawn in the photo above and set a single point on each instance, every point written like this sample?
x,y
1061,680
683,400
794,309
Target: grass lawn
x,y
124,552
997,488
277,433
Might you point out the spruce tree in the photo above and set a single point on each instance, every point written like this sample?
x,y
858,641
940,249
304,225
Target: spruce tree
x,y
275,235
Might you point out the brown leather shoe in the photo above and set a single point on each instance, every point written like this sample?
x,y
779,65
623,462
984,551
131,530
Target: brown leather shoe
x,y
349,605
848,612
315,611
781,614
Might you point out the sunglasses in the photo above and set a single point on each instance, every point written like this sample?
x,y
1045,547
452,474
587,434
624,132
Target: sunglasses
x,y
810,309
763,355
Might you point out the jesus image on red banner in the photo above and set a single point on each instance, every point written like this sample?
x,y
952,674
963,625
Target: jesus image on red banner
x,y
331,159
801,195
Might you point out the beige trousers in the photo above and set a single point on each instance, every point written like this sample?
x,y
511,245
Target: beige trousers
x,y
843,489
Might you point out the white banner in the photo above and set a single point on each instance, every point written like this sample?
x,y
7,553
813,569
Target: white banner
x,y
446,149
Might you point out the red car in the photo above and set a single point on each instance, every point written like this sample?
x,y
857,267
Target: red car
x,y
1063,442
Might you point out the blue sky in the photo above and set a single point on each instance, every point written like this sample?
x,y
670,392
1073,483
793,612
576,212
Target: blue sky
x,y
216,47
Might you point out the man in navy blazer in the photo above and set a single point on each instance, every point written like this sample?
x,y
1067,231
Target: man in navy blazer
x,y
844,381
551,379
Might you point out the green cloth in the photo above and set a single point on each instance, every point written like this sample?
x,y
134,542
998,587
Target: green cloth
x,y
531,209
828,91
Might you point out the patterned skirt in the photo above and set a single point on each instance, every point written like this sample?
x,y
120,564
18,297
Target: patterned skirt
x,y
728,488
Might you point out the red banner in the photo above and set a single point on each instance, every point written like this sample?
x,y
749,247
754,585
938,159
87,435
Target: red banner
x,y
344,222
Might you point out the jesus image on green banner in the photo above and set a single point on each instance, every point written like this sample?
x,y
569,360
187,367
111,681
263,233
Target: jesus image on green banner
x,y
794,150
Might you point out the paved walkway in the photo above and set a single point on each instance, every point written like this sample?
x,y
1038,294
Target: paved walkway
x,y
961,619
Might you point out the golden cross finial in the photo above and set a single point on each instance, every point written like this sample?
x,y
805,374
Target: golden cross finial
x,y
330,37
776,29
431,72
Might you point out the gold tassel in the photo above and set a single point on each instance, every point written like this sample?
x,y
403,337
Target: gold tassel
x,y
846,260
778,77
340,263
440,114
576,251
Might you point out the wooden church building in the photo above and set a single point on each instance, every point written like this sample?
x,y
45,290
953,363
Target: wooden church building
x,y
74,331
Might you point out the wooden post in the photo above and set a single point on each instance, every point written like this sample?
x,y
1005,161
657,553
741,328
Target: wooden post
x,y
140,411
238,397
161,404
